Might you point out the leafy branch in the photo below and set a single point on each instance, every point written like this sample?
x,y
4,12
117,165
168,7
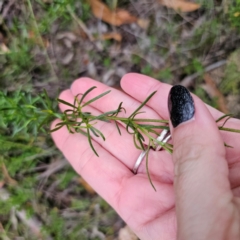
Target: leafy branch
x,y
77,120
31,114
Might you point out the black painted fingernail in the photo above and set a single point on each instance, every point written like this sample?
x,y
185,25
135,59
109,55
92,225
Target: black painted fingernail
x,y
180,105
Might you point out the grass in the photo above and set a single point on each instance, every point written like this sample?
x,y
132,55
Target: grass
x,y
173,47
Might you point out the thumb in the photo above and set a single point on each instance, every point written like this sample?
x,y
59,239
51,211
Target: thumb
x,y
201,171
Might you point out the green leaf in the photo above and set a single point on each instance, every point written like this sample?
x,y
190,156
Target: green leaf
x,y
144,102
147,163
66,103
150,120
6,109
147,126
135,142
226,121
101,116
96,98
56,128
229,129
224,116
76,99
44,121
90,142
226,145
85,94
79,130
119,131
130,125
139,138
99,132
94,132
152,131
49,104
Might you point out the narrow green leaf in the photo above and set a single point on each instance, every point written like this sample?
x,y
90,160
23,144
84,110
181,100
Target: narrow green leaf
x,y
130,125
140,141
226,121
152,131
90,142
99,132
140,136
76,99
144,102
79,130
135,143
119,131
85,94
44,121
66,103
228,146
96,98
229,129
69,128
101,116
7,109
147,126
94,132
147,163
224,116
150,120
56,128
49,104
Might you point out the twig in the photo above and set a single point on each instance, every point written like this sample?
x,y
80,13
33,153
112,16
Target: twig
x,y
187,81
7,8
53,168
40,39
31,222
80,23
214,92
3,234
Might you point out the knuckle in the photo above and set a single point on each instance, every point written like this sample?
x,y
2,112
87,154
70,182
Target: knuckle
x,y
186,155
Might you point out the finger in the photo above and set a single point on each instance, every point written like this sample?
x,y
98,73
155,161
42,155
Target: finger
x,y
122,147
140,86
201,171
112,100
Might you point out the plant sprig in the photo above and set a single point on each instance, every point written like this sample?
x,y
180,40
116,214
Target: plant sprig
x,y
41,110
77,120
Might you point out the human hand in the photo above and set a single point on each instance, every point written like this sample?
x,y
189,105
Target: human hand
x,y
205,200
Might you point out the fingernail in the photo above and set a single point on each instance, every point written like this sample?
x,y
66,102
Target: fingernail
x,y
180,105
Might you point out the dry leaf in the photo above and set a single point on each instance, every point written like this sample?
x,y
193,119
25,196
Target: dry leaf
x,y
2,184
143,23
115,18
214,92
180,5
86,186
4,48
113,35
127,234
38,40
7,177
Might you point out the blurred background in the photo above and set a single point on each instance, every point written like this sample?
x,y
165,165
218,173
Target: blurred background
x,y
47,44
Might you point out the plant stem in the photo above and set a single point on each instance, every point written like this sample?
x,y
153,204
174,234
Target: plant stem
x,y
40,39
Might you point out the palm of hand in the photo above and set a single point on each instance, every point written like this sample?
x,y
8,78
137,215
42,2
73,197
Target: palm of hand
x,y
150,214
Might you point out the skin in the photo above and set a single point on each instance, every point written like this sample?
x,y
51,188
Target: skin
x,y
198,190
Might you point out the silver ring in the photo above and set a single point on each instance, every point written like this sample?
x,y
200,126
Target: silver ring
x,y
163,137
138,162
